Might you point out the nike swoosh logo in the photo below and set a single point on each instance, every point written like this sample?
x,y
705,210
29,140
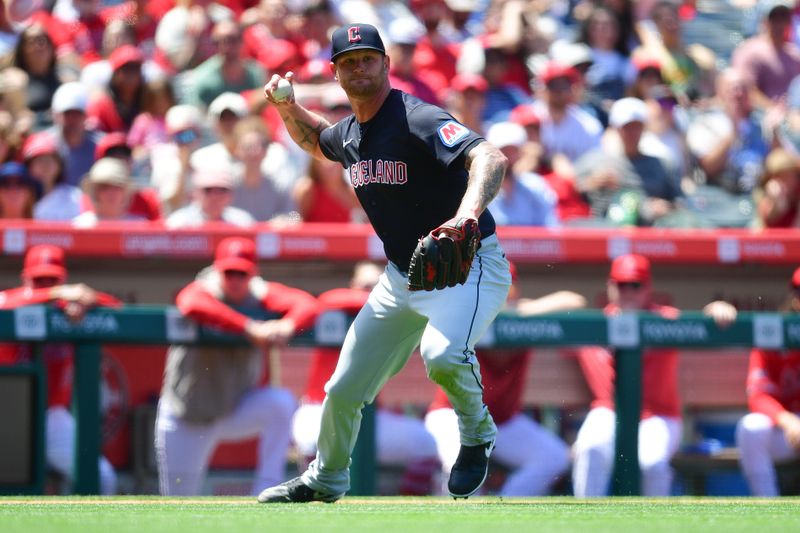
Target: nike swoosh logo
x,y
345,143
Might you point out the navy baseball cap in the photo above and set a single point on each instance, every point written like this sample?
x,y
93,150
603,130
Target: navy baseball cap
x,y
355,37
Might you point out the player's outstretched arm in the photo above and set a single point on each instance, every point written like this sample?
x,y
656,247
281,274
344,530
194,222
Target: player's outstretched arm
x,y
303,126
487,167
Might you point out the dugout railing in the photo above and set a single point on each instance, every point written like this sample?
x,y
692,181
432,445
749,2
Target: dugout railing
x,y
627,334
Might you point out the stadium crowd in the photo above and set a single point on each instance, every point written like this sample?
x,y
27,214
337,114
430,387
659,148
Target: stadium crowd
x,y
611,113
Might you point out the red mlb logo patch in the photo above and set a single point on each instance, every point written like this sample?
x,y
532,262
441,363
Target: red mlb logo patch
x,y
451,132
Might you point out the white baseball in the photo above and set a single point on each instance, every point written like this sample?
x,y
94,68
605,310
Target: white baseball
x,y
282,90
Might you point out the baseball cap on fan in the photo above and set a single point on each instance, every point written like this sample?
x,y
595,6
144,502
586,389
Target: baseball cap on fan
x,y
630,268
627,110
236,253
355,37
44,261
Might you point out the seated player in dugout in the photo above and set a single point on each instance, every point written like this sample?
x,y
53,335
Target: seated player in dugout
x,y
44,274
770,432
535,457
213,393
401,440
629,288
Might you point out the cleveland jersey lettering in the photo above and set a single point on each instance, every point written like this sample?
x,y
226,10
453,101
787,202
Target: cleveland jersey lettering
x,y
380,171
410,153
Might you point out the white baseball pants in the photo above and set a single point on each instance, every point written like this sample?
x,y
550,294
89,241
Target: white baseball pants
x,y
183,450
445,323
659,439
536,457
60,449
760,444
399,439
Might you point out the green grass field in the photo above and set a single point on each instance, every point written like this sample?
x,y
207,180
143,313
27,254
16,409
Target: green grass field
x,y
406,515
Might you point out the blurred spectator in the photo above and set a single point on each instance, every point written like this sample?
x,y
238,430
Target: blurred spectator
x,y
515,28
61,201
325,195
269,38
213,194
785,119
183,36
18,191
462,21
663,137
114,145
435,56
566,130
258,193
400,439
578,56
117,107
777,197
149,128
501,96
44,274
223,115
379,13
769,60
317,19
144,200
213,393
771,431
403,37
569,203
629,290
624,17
142,15
663,40
648,75
76,143
728,141
610,71
524,199
83,26
227,70
110,190
603,175
20,10
9,138
171,161
35,55
535,457
467,99
118,33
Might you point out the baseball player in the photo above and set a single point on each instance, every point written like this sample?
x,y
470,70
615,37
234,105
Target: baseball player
x,y
417,173
400,439
536,457
43,276
771,431
629,289
211,393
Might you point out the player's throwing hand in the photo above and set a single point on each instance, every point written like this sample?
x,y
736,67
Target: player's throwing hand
x,y
280,90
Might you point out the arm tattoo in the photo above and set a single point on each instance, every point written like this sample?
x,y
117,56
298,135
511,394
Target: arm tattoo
x,y
304,128
487,168
307,134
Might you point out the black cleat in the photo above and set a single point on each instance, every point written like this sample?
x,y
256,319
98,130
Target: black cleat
x,y
295,491
470,470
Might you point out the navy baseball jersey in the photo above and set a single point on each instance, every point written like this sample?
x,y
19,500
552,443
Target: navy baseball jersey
x,y
407,165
